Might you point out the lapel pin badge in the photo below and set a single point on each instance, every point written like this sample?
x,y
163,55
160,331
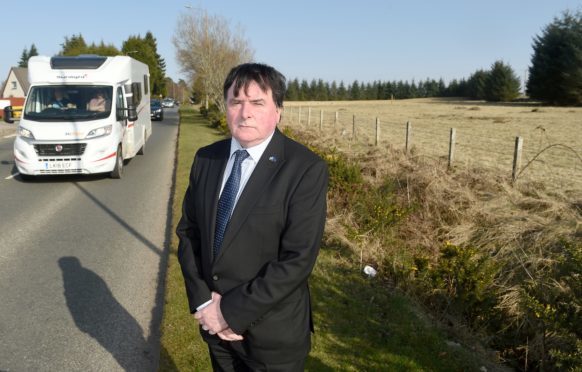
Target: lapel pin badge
x,y
273,159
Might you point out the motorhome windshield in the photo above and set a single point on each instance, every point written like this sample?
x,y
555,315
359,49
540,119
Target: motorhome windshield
x,y
68,102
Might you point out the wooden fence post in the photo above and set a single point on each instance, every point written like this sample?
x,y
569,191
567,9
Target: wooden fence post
x,y
308,117
336,118
320,120
517,158
299,116
452,140
408,137
377,131
354,127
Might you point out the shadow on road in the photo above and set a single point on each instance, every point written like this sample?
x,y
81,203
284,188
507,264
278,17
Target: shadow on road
x,y
97,313
121,221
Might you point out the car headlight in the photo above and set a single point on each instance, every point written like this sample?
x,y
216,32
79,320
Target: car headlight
x,y
158,111
23,132
99,132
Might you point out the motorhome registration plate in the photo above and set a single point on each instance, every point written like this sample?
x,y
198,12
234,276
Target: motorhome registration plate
x,y
58,165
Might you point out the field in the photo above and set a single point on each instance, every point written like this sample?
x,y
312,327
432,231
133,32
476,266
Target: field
x,y
485,133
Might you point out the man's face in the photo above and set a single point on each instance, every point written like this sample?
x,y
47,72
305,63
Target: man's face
x,y
252,116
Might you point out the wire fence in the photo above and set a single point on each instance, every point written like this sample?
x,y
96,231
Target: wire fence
x,y
521,157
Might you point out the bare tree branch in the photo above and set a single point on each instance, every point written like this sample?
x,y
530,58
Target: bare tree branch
x,y
206,50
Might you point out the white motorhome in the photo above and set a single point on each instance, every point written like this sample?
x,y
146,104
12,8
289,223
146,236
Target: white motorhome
x,y
82,115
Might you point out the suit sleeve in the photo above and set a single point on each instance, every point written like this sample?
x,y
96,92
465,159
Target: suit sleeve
x,y
189,249
298,249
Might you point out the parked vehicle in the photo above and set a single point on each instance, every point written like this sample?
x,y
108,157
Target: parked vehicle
x,y
156,109
168,102
82,115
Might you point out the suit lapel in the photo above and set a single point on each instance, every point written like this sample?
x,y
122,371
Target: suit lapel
x,y
214,181
267,167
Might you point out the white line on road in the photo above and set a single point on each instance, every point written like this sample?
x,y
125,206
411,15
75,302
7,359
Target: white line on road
x,y
12,176
10,136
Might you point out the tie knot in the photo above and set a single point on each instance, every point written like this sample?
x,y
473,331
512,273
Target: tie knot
x,y
240,155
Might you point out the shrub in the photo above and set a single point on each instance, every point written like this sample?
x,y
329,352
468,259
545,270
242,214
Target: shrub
x,y
461,282
216,117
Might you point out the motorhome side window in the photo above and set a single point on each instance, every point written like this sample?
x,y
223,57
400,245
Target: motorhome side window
x,y
137,93
146,84
68,102
120,104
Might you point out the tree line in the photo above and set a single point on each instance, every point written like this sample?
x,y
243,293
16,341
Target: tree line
x,y
143,49
498,84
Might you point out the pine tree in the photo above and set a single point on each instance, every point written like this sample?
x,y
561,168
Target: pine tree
x,y
342,92
304,91
555,74
26,54
355,92
23,59
142,50
32,52
333,92
158,86
502,83
476,84
292,93
74,46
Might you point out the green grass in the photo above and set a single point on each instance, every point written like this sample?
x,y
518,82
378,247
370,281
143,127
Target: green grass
x,y
182,348
360,325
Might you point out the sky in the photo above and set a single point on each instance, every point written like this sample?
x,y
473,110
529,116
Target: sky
x,y
332,40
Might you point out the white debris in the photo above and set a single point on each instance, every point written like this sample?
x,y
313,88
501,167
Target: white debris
x,y
370,271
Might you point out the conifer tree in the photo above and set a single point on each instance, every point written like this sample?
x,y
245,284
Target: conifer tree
x,y
355,92
555,74
342,92
476,84
26,54
333,92
502,83
304,91
292,93
74,46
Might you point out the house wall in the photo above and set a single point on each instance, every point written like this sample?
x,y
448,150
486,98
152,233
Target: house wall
x,y
12,88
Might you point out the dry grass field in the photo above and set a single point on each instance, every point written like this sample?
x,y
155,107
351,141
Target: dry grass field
x,y
485,133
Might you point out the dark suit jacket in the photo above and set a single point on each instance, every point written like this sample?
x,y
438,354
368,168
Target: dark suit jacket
x,y
269,247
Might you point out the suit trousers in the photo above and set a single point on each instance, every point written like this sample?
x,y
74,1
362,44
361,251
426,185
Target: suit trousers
x,y
226,359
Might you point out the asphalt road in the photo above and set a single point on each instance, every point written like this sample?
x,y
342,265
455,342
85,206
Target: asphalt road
x,y
82,262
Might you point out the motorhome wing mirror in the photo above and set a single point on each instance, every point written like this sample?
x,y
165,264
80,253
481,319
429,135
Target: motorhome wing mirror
x,y
131,113
8,117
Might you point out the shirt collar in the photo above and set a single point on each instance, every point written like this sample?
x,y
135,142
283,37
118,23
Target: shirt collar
x,y
255,152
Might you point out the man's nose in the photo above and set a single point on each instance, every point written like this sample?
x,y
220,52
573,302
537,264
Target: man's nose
x,y
246,110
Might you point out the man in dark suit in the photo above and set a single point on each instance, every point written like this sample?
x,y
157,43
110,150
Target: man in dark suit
x,y
252,222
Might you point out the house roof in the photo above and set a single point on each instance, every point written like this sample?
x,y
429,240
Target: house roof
x,y
22,76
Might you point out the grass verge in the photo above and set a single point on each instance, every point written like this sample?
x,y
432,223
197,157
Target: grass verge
x,y
359,325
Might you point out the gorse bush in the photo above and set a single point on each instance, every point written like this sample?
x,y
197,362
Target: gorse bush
x,y
550,313
376,209
461,282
